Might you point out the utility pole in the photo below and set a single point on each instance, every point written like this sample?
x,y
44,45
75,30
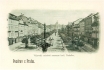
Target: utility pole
x,y
44,46
44,32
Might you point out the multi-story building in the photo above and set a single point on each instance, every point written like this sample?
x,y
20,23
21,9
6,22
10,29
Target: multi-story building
x,y
23,27
69,29
82,27
12,28
20,26
76,28
88,28
95,30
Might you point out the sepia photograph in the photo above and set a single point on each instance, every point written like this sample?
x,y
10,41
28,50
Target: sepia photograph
x,y
53,30
51,35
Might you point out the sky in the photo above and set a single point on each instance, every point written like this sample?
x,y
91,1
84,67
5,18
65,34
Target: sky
x,y
52,16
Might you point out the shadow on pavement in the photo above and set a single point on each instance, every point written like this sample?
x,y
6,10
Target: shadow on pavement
x,y
29,48
58,48
71,48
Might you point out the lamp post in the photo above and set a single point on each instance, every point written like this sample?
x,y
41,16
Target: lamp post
x,y
44,32
44,48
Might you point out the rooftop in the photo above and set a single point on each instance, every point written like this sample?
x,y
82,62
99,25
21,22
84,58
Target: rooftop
x,y
13,17
77,21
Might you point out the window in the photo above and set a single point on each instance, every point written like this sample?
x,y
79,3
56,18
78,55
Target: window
x,y
21,31
9,27
11,21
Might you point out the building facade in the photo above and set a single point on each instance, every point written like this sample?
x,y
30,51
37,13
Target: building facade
x,y
95,30
12,28
76,28
19,26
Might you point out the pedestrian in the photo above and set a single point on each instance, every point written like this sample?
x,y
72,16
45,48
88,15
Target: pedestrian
x,y
25,40
50,41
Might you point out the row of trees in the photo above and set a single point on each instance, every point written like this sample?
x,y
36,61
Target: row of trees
x,y
40,37
67,34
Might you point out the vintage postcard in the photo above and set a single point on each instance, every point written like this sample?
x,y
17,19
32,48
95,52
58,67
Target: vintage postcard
x,y
57,30
52,35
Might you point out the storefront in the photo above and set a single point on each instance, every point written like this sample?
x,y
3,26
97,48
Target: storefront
x,y
10,40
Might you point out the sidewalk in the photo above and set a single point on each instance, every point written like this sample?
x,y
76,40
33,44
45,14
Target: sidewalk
x,y
21,45
88,46
15,45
